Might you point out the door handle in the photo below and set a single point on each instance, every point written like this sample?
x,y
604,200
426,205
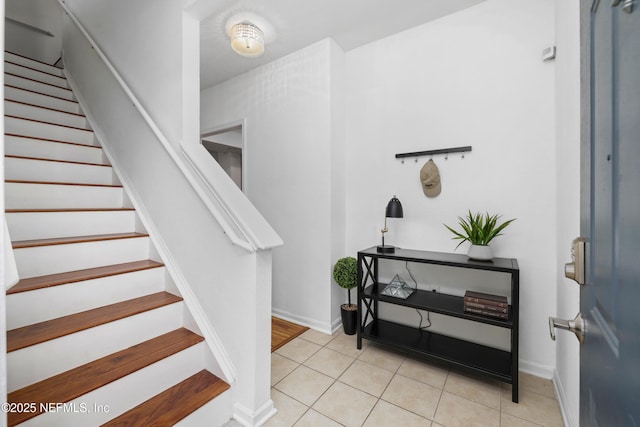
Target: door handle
x,y
575,270
576,326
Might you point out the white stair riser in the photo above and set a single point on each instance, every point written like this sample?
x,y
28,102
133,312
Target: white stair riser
x,y
29,147
44,114
127,392
35,363
38,75
8,56
53,196
47,89
215,413
81,296
43,260
35,98
54,171
48,130
45,225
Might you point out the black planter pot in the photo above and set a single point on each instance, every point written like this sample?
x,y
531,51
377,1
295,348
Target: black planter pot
x,y
349,315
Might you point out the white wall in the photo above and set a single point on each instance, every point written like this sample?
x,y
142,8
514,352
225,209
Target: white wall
x,y
567,28
43,14
141,39
473,78
476,79
290,135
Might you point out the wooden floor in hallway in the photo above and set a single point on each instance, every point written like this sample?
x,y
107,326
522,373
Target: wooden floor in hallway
x,y
283,331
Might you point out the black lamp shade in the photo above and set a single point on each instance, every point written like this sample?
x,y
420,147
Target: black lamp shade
x,y
394,208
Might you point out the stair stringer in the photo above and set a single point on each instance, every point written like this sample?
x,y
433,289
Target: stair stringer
x,y
221,364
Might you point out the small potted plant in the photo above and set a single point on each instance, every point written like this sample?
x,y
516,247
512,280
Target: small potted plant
x,y
345,273
479,230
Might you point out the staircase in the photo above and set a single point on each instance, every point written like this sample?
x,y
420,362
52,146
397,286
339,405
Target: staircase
x,y
96,328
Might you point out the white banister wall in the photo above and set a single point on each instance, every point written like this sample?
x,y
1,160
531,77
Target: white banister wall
x,y
225,285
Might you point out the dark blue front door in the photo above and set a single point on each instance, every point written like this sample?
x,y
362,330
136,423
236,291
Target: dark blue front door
x,y
610,300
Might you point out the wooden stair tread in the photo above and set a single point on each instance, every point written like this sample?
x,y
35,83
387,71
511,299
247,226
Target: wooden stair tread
x,y
39,282
51,329
173,404
76,382
24,181
41,159
21,244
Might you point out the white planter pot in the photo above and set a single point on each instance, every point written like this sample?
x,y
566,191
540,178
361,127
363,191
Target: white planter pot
x,y
480,253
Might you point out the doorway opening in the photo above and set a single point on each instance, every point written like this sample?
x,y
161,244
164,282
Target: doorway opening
x,y
226,146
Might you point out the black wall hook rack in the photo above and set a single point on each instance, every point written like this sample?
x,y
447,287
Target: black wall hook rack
x,y
434,152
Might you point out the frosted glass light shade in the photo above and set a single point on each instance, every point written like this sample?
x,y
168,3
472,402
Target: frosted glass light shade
x,y
247,40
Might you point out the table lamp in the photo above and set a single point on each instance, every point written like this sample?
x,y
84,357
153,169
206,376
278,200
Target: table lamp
x,y
394,210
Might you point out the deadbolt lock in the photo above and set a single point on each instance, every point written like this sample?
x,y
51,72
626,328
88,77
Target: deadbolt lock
x,y
575,270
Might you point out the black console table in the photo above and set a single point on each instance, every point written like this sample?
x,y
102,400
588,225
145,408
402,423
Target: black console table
x,y
491,362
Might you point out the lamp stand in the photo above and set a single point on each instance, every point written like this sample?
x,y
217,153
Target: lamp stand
x,y
385,249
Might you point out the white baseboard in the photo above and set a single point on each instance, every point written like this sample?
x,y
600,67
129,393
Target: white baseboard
x,y
254,419
569,418
324,327
536,369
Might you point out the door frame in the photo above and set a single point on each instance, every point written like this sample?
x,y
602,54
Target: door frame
x,y
242,124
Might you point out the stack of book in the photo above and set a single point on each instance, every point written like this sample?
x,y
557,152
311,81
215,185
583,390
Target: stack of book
x,y
486,304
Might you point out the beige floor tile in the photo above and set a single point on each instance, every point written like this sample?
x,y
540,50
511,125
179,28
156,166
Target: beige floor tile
x,y
535,384
481,390
315,419
305,385
533,407
385,414
289,410
298,350
316,337
368,378
382,357
424,371
413,396
345,404
329,362
346,344
281,367
455,411
507,420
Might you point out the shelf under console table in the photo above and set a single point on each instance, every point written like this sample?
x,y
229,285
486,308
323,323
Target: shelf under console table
x,y
485,360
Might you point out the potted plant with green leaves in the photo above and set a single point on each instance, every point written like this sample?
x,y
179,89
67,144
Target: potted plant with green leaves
x,y
345,273
479,230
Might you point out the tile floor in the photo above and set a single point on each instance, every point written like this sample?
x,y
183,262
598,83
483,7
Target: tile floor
x,y
322,380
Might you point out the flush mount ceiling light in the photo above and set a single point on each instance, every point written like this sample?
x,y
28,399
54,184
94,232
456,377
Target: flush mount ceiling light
x,y
249,33
247,40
